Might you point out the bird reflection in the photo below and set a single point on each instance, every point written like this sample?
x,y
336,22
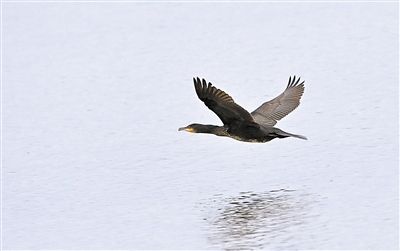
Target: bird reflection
x,y
258,220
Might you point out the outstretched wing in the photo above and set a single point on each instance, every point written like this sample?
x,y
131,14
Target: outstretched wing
x,y
272,111
221,103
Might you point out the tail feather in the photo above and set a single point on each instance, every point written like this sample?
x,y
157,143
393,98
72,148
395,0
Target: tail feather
x,y
286,134
299,136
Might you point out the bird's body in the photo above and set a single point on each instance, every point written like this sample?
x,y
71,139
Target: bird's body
x,y
241,125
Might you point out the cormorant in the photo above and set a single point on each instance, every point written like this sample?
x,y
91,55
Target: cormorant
x,y
241,125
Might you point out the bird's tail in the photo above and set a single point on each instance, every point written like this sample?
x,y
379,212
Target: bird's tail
x,y
286,134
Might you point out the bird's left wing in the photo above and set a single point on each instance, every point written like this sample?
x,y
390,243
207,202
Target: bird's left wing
x,y
272,111
221,103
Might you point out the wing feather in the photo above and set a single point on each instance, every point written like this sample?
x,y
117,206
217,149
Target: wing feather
x,y
270,112
221,103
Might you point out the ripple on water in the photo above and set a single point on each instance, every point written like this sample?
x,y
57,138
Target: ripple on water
x,y
276,219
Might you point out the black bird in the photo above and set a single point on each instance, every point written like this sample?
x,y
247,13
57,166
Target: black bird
x,y
241,125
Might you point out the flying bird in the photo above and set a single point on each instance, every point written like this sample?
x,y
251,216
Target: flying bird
x,y
239,124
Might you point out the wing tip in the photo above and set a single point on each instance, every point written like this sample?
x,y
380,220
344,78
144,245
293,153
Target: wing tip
x,y
293,82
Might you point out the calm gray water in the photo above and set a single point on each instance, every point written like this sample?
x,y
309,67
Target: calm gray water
x,y
93,95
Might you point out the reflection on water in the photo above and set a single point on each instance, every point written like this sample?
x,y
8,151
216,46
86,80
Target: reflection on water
x,y
269,220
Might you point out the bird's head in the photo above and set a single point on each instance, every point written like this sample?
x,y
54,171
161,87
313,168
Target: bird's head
x,y
199,128
190,128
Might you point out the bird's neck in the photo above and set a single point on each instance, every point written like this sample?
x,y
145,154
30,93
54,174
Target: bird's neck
x,y
213,129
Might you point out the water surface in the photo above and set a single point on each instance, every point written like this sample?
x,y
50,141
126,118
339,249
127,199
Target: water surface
x,y
93,95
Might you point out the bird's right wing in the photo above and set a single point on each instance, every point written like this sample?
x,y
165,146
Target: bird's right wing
x,y
272,111
221,103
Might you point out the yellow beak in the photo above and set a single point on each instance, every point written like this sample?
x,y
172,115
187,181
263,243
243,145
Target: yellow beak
x,y
188,129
